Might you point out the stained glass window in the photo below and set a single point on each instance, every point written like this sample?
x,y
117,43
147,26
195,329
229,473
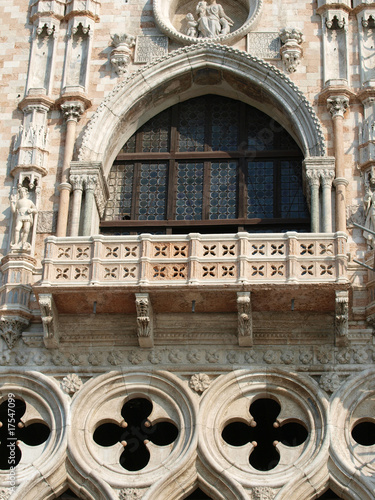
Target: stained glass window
x,y
189,191
260,199
152,192
209,162
223,199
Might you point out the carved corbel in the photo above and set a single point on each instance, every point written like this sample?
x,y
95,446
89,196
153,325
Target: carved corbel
x,y
291,50
50,320
11,328
336,19
72,110
341,317
121,53
245,319
145,323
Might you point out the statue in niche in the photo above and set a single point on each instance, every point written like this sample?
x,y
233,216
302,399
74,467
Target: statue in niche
x,y
212,21
23,211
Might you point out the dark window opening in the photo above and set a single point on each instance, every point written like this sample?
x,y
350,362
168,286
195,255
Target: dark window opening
x,y
68,495
198,494
364,433
210,164
13,429
329,495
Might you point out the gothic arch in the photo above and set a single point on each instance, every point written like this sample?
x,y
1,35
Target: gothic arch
x,y
190,72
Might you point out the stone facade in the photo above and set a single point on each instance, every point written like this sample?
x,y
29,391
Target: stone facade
x,y
167,360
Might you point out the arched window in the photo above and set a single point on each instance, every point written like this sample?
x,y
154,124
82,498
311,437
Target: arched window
x,y
209,164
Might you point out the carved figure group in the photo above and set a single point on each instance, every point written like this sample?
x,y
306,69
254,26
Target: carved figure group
x,y
212,21
23,210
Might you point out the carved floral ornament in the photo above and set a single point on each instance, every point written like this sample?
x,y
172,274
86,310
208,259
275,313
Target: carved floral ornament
x,y
218,21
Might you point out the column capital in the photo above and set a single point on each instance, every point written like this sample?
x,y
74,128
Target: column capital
x,y
72,110
91,182
77,181
313,176
337,105
327,175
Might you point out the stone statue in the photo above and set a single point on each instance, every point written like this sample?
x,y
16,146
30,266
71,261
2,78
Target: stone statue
x,y
212,21
23,210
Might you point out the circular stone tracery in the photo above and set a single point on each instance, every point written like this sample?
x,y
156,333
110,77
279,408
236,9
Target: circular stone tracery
x,y
299,435
171,17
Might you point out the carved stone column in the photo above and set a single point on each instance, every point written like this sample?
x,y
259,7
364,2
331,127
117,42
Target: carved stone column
x,y
77,183
327,176
337,106
313,178
90,185
72,111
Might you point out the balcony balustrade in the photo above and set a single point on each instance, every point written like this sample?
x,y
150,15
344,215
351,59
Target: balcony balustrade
x,y
195,259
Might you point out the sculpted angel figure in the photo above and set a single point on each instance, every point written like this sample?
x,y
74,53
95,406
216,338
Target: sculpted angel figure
x,y
369,207
23,210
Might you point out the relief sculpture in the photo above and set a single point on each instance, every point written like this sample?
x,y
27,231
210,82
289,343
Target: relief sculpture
x,y
212,21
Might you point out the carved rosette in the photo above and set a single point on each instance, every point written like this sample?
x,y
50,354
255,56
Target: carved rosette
x,y
291,50
12,328
199,382
71,384
121,53
337,105
330,382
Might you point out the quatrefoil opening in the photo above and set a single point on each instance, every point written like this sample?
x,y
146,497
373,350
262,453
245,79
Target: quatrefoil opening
x,y
13,430
134,433
264,432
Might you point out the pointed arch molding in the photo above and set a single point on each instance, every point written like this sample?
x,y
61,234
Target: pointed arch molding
x,y
189,72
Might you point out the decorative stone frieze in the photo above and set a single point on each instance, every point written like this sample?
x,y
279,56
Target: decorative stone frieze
x,y
145,322
11,328
291,50
337,105
50,320
245,319
120,56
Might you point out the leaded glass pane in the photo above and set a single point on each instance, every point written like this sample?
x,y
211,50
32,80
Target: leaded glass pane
x,y
293,202
129,146
189,191
224,113
156,133
153,191
120,184
260,189
223,190
192,125
265,134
